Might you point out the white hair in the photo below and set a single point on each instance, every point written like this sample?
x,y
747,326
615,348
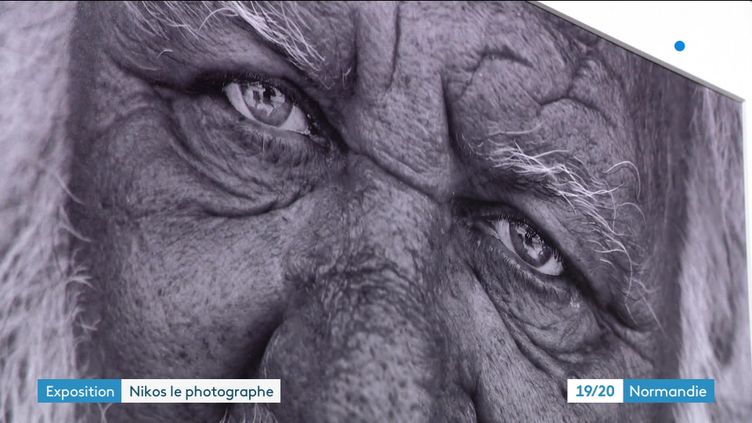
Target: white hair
x,y
562,176
278,23
36,318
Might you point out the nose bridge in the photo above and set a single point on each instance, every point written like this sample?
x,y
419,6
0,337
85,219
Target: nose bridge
x,y
370,221
393,221
361,342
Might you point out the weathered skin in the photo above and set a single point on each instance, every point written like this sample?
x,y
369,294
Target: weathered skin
x,y
354,272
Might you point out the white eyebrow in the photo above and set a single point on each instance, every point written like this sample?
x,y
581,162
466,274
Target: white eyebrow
x,y
559,174
278,23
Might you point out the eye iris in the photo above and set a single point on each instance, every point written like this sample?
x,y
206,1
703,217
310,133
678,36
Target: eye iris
x,y
528,244
266,103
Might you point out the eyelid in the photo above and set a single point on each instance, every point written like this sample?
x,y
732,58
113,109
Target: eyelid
x,y
509,213
501,231
212,83
480,210
598,283
558,287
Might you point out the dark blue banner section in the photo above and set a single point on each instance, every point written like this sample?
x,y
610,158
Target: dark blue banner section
x,y
78,390
669,390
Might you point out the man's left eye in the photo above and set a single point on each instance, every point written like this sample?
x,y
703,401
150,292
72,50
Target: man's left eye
x,y
524,241
266,104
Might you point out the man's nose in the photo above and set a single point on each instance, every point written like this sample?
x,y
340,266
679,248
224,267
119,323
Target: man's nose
x,y
360,341
358,356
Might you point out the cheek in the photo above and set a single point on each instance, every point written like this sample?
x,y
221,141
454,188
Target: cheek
x,y
179,292
183,299
515,348
192,298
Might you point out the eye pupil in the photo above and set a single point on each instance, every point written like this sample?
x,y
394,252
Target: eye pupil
x,y
528,244
266,103
268,94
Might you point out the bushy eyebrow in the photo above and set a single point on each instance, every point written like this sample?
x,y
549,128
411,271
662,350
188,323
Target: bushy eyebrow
x,y
561,175
277,23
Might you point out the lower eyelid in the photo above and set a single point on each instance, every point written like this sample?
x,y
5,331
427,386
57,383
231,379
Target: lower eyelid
x,y
214,129
559,289
551,293
246,123
549,288
250,128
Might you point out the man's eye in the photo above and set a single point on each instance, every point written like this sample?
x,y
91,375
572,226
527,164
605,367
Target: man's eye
x,y
265,104
528,245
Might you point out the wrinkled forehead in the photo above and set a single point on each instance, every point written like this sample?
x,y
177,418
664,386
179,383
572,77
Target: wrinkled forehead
x,y
325,39
447,39
506,76
327,33
503,67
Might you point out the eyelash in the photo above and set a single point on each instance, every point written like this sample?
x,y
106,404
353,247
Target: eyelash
x,y
212,83
515,217
482,213
524,220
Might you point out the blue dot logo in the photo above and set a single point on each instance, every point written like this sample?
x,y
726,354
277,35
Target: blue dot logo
x,y
679,45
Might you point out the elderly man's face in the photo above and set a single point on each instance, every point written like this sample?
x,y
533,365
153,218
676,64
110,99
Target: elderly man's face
x,y
424,212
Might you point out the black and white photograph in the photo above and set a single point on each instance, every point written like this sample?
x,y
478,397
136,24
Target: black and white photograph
x,y
404,211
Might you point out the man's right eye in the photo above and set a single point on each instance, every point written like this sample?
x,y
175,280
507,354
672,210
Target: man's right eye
x,y
265,104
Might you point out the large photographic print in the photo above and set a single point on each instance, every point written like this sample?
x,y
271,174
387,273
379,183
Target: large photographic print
x,y
405,211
